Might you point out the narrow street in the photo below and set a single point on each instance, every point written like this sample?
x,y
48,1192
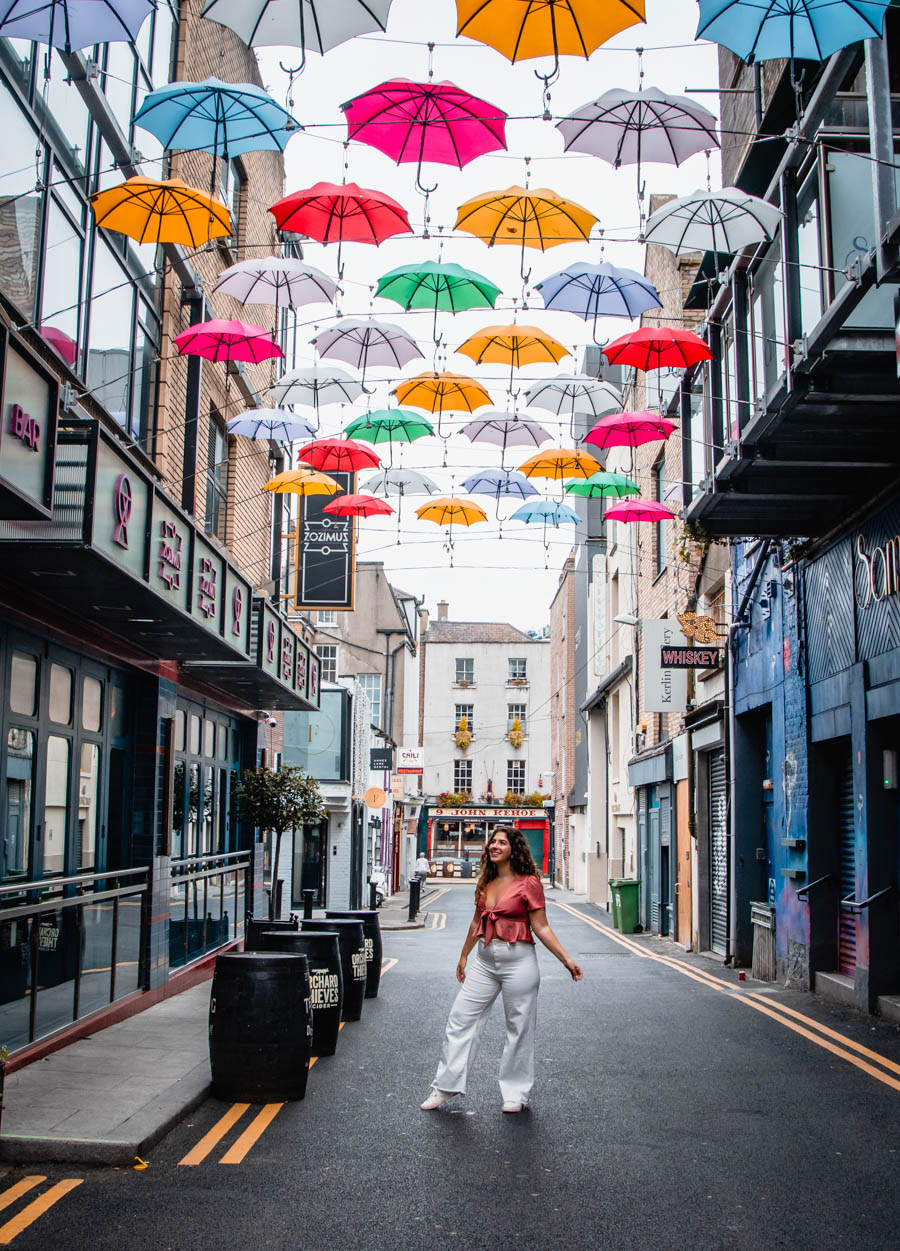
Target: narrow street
x,y
675,1108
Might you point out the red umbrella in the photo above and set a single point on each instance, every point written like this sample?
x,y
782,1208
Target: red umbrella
x,y
639,510
219,340
658,347
63,344
338,455
629,430
345,213
358,506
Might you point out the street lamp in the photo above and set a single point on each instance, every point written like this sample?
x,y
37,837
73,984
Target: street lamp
x,y
625,618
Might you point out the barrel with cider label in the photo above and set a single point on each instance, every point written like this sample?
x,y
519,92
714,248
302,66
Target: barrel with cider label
x,y
353,960
372,935
326,981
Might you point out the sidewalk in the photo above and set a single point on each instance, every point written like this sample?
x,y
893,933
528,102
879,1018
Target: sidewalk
x,y
395,909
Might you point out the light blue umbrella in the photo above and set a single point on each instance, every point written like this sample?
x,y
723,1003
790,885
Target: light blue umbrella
x,y
271,423
592,291
808,30
74,24
225,119
547,512
500,483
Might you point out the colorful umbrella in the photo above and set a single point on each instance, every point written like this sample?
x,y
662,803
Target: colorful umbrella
x,y
314,25
431,285
313,386
528,219
270,423
713,221
153,211
451,511
592,291
808,30
389,425
400,482
226,119
561,463
640,510
358,506
603,486
63,344
302,481
338,456
513,345
279,280
74,24
548,28
547,511
658,347
341,214
574,394
365,343
414,123
442,393
500,483
505,430
219,340
629,430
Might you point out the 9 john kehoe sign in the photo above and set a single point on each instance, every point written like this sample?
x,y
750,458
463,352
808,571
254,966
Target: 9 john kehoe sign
x,y
665,686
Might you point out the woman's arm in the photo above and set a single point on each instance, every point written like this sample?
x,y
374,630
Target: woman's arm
x,y
541,927
471,940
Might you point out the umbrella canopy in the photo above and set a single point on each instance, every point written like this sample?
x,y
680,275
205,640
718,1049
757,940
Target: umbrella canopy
x,y
314,25
358,506
338,456
629,128
400,482
513,345
658,347
529,219
214,116
314,386
560,463
500,483
604,486
552,28
367,342
270,423
63,344
629,430
713,221
151,210
506,430
219,340
390,425
808,30
572,394
442,393
279,280
548,512
302,481
640,510
431,285
74,24
592,291
452,511
346,213
417,122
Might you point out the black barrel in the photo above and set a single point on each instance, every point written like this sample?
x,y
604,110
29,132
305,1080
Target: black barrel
x,y
257,926
260,1027
372,935
326,982
353,960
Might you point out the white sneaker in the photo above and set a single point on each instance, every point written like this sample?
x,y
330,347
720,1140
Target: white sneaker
x,y
509,1106
437,1099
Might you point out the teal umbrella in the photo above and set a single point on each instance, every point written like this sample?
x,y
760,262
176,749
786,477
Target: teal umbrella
x,y
389,425
450,288
603,485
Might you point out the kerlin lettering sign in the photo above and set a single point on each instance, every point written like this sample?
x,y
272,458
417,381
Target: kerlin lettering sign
x,y
689,657
326,552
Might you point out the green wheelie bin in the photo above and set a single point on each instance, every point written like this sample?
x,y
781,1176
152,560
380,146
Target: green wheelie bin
x,y
626,904
614,901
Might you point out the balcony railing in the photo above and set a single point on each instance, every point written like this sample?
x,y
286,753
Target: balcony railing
x,y
207,904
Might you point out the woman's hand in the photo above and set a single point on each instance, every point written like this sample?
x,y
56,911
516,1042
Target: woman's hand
x,y
575,970
461,970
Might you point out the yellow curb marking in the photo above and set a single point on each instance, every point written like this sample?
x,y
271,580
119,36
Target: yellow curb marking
x,y
20,1188
36,1208
253,1132
214,1136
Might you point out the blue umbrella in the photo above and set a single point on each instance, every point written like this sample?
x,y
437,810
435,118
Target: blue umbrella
x,y
592,291
499,483
547,511
808,30
271,423
225,119
74,24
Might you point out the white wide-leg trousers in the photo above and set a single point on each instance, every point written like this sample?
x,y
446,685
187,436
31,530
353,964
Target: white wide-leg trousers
x,y
510,969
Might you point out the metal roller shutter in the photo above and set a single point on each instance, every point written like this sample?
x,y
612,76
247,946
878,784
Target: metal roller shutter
x,y
846,867
718,853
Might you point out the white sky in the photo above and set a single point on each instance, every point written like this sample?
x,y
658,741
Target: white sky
x,y
490,580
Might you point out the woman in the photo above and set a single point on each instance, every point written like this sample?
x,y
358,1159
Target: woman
x,y
509,909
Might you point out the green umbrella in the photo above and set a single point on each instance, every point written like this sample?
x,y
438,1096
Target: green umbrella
x,y
389,425
614,485
431,285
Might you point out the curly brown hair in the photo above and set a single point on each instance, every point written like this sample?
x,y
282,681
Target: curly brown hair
x,y
521,860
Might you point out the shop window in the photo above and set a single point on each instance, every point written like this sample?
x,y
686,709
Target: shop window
x,y
19,783
462,776
467,711
518,668
515,776
56,803
327,653
179,730
207,821
115,720
178,810
60,694
371,684
23,685
465,670
514,713
209,737
88,798
216,478
193,821
195,735
91,704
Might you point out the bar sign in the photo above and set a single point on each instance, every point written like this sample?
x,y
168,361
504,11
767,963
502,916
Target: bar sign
x,y
689,657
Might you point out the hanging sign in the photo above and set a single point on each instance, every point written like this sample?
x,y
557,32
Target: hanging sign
x,y
665,686
326,552
381,759
410,760
689,657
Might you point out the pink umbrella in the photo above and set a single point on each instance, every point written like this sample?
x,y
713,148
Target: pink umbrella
x,y
358,506
639,510
63,344
219,340
425,122
629,430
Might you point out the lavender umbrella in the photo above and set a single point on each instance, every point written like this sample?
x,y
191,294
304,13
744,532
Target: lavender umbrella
x,y
369,342
74,24
270,423
505,430
592,291
500,482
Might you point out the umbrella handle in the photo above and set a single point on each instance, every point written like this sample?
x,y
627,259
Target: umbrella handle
x,y
295,70
549,79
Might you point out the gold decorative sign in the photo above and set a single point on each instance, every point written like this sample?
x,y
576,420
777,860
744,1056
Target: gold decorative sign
x,y
700,629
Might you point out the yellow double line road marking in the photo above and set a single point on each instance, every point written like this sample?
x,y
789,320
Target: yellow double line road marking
x,y
30,1213
788,1017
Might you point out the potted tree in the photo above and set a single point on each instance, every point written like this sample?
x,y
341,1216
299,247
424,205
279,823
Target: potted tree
x,y
278,800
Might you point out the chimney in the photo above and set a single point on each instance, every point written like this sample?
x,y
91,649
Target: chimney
x,y
443,610
423,620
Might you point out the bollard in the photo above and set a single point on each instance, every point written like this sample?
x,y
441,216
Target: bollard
x,y
307,896
415,890
373,894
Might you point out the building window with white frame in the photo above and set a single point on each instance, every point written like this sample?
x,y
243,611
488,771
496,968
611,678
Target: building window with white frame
x,y
518,668
371,684
514,713
515,776
327,653
465,670
467,711
326,617
462,776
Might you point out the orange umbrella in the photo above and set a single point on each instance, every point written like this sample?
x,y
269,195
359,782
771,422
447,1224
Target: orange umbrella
x,y
451,510
559,463
442,393
536,218
513,345
551,28
302,481
151,210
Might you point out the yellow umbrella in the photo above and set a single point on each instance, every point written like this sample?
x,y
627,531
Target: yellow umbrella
x,y
442,393
513,345
526,218
559,463
452,511
302,481
168,211
548,28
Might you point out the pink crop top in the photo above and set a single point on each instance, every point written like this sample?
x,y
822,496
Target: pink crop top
x,y
510,918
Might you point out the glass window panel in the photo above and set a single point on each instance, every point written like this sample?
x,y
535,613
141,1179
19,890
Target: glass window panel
x,y
195,735
518,668
223,742
810,255
179,730
116,719
178,811
371,684
209,738
68,114
91,704
23,684
19,783
207,826
22,50
163,29
56,804
110,333
88,800
97,921
193,822
60,694
144,41
769,348
222,813
118,83
20,206
143,389
465,669
61,292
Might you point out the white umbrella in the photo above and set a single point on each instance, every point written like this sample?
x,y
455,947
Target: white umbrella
x,y
278,280
314,386
400,482
627,128
713,221
314,25
270,423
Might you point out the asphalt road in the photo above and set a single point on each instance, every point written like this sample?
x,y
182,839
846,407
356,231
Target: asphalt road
x,y
667,1114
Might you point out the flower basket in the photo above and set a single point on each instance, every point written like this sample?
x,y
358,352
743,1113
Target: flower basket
x,y
463,735
516,735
